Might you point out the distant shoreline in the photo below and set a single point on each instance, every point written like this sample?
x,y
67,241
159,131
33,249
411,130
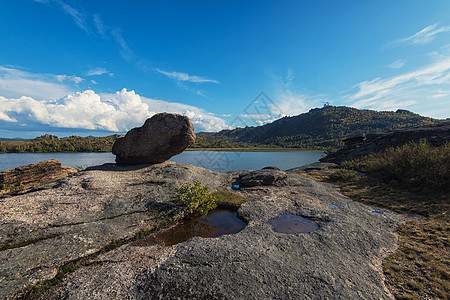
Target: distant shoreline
x,y
253,149
195,149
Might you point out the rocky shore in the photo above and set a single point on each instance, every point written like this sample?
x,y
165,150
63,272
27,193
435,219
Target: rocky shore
x,y
80,217
358,146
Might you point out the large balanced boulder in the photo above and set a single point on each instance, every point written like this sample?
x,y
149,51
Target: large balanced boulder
x,y
161,137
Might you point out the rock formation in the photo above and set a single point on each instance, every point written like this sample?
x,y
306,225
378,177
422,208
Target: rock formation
x,y
33,175
87,213
42,230
161,137
266,176
435,135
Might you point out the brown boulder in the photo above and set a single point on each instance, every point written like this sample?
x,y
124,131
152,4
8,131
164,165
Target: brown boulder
x,y
33,175
161,137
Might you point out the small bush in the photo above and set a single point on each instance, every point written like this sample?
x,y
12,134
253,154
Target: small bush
x,y
414,164
342,175
196,197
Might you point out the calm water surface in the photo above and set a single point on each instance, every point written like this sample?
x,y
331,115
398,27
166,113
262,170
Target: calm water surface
x,y
219,161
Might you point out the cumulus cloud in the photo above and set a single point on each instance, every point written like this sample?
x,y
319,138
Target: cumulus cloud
x,y
73,78
424,36
116,112
202,120
179,76
413,89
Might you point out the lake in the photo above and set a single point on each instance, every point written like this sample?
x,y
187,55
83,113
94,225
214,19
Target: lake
x,y
219,161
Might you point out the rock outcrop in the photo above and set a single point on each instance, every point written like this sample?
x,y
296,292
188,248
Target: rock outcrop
x,y
161,137
266,176
86,213
435,135
340,260
33,175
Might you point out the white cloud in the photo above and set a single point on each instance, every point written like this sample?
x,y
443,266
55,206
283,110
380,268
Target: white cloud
x,y
77,16
98,71
413,89
116,112
424,36
16,83
73,78
256,116
397,64
179,76
99,25
125,51
288,101
93,81
202,120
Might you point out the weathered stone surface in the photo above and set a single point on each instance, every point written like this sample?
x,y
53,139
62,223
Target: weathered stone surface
x,y
271,168
341,260
261,177
80,215
313,167
436,135
161,137
36,174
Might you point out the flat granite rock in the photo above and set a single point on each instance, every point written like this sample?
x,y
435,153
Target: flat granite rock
x,y
80,215
340,260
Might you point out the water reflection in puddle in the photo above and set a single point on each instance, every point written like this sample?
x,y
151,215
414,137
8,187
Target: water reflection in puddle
x,y
216,223
333,206
288,223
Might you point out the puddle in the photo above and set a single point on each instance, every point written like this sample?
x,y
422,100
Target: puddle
x,y
333,206
377,213
288,223
216,223
235,186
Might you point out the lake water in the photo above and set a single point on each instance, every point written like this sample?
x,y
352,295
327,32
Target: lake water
x,y
219,161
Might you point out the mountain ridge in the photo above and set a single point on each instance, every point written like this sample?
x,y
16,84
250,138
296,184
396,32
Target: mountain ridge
x,y
318,128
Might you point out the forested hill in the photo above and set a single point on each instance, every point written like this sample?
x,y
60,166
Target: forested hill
x,y
317,129
51,143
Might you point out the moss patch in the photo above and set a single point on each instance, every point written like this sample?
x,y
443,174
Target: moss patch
x,y
228,200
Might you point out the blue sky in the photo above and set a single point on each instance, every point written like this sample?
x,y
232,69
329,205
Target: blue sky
x,y
100,67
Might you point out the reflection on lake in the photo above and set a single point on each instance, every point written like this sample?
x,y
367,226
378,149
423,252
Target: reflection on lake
x,y
219,161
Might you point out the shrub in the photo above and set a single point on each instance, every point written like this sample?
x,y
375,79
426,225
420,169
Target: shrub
x,y
342,175
196,197
415,164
